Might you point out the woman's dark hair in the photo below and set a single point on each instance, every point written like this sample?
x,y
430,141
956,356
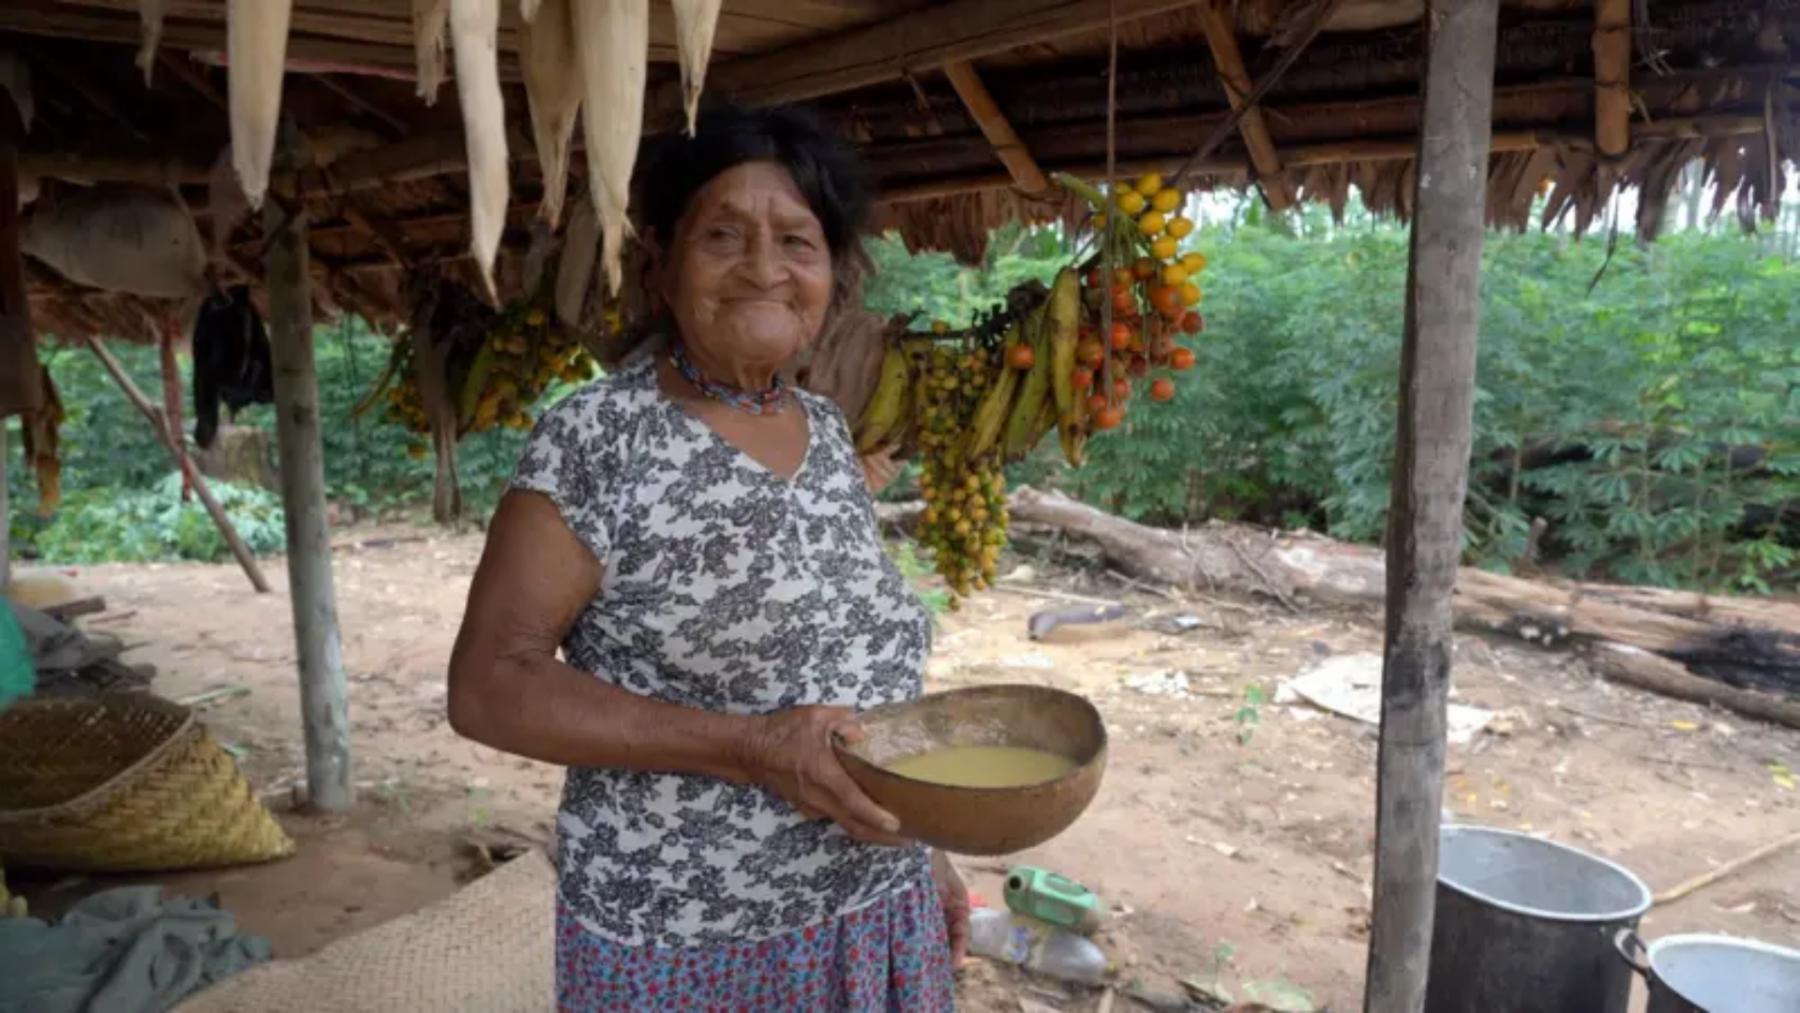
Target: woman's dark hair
x,y
827,171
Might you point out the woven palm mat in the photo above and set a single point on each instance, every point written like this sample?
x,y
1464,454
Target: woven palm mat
x,y
488,948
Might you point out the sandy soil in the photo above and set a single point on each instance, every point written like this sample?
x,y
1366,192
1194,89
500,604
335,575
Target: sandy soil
x,y
1232,838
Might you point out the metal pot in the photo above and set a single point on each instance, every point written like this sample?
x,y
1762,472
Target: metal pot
x,y
1714,974
1526,925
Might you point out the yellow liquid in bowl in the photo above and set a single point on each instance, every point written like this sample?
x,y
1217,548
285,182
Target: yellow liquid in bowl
x,y
984,766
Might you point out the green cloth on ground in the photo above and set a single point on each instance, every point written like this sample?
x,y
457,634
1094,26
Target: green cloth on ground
x,y
18,676
126,950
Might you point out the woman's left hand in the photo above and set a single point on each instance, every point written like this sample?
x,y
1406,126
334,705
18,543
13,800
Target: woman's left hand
x,y
954,898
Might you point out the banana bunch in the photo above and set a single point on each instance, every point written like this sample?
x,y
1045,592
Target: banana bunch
x,y
495,381
886,419
972,403
521,356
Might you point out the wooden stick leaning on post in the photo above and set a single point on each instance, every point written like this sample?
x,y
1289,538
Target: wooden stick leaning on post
x,y
169,441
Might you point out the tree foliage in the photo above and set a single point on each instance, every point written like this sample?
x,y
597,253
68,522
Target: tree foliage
x,y
1642,404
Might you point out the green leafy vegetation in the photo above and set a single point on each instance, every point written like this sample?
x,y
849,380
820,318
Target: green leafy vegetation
x,y
141,525
917,571
1653,424
1643,406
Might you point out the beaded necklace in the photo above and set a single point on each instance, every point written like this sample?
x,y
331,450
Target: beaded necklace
x,y
754,402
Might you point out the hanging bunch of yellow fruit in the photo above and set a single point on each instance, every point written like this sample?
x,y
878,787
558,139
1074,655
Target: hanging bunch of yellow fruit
x,y
524,353
970,402
1067,360
493,381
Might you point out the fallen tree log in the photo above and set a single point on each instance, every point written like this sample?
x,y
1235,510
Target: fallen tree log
x,y
1746,646
1634,667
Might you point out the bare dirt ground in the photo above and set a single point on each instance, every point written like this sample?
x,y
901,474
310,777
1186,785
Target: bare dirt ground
x,y
1231,837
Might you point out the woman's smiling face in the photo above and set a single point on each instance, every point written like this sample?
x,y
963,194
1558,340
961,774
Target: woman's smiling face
x,y
748,275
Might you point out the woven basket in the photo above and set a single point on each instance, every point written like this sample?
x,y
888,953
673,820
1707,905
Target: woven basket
x,y
124,782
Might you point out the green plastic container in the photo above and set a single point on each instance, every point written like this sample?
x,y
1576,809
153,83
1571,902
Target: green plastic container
x,y
1053,898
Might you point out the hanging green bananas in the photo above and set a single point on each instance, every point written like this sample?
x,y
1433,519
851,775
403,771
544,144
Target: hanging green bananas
x,y
885,415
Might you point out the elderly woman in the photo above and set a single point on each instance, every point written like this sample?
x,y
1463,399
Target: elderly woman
x,y
699,541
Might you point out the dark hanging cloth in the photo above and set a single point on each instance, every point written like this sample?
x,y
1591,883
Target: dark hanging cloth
x,y
231,360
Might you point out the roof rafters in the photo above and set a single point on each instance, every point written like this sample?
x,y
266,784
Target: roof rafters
x,y
1007,145
1221,38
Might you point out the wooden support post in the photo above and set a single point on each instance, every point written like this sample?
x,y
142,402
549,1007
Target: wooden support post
x,y
19,386
323,710
1612,77
21,389
430,359
1001,136
5,514
171,390
171,441
1431,468
1221,38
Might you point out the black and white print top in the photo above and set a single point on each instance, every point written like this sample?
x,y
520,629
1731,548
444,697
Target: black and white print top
x,y
729,588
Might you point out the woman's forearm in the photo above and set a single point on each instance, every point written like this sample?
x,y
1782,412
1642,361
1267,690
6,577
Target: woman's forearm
x,y
541,708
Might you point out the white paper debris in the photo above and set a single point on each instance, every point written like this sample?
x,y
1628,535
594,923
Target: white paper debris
x,y
1350,685
1169,684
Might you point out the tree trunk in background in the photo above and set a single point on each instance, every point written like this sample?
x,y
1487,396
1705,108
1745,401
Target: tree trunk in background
x,y
1743,642
430,363
5,513
240,454
1693,182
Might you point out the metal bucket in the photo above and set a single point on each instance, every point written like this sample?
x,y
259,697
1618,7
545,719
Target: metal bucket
x,y
1714,974
1527,926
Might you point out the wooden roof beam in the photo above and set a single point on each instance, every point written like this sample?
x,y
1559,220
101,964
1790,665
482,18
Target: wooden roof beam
x,y
386,237
1612,77
906,44
1007,145
1364,149
1221,38
396,126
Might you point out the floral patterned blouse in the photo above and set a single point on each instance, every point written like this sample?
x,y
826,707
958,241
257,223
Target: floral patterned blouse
x,y
729,588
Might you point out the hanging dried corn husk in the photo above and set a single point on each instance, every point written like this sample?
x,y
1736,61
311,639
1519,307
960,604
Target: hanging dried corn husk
x,y
475,32
430,20
256,34
553,88
41,445
613,46
225,206
694,24
150,16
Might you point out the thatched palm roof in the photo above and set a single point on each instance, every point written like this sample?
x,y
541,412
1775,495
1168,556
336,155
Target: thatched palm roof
x,y
385,187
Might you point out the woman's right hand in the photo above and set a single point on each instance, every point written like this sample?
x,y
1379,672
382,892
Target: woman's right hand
x,y
790,753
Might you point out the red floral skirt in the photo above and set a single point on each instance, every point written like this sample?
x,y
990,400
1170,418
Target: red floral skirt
x,y
892,955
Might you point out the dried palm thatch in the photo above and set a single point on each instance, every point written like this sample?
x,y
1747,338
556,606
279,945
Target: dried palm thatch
x,y
960,224
383,176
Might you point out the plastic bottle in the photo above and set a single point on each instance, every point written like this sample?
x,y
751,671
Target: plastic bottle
x,y
999,934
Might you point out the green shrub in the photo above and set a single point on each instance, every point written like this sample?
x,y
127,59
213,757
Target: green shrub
x,y
143,525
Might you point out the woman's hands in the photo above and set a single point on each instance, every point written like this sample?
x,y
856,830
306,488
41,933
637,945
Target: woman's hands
x,y
790,753
953,896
